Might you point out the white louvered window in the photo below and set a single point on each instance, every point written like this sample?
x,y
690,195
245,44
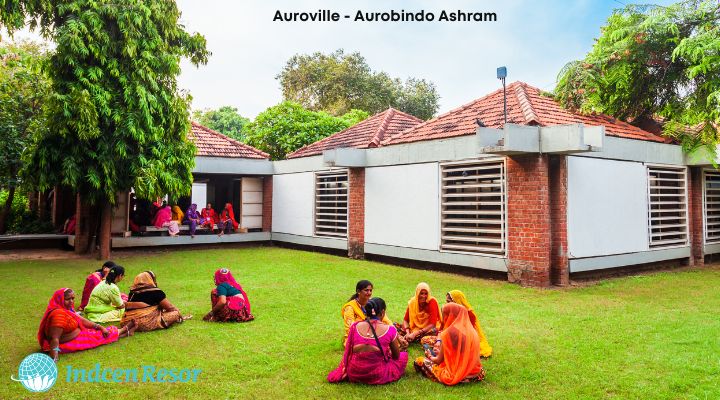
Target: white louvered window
x,y
711,205
668,210
331,203
473,207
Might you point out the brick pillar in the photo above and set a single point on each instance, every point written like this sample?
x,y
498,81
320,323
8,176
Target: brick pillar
x,y
695,218
356,214
528,220
559,271
267,204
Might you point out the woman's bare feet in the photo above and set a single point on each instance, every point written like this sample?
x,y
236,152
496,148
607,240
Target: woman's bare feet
x,y
129,329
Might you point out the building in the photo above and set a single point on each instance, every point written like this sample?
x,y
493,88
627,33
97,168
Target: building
x,y
548,194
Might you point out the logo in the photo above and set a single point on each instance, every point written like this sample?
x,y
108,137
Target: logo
x,y
37,372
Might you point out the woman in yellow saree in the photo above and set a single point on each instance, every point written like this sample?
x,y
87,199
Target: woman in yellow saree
x,y
352,310
456,296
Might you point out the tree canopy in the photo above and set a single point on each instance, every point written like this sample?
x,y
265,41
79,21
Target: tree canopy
x,y
116,117
225,120
338,82
24,90
288,126
654,62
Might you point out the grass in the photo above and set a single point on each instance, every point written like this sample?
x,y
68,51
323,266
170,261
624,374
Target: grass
x,y
652,336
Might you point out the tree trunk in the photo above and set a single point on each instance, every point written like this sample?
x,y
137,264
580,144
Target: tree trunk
x,y
105,230
5,214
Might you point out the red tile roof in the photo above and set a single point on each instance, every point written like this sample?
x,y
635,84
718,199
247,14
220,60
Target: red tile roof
x,y
368,133
210,143
526,105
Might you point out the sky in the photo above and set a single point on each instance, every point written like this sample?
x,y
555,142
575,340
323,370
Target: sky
x,y
534,39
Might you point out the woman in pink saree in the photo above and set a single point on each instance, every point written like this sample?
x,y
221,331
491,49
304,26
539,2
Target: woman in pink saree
x,y
229,301
163,219
372,352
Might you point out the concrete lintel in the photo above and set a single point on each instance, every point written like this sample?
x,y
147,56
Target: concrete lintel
x,y
463,260
702,157
332,243
149,241
227,165
345,157
563,139
711,248
616,148
303,164
621,260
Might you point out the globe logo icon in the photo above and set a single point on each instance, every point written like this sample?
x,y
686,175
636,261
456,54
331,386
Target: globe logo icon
x,y
37,372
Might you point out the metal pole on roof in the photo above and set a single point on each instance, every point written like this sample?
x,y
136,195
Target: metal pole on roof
x,y
502,74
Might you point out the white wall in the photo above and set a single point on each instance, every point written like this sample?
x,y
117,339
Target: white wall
x,y
402,206
607,207
199,195
293,202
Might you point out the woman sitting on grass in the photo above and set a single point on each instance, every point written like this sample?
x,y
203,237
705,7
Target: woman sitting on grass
x,y
372,352
229,301
456,355
105,304
456,296
422,316
64,331
353,312
148,306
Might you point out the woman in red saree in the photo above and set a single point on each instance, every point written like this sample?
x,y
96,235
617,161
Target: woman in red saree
x,y
227,220
208,217
372,352
63,331
457,352
229,301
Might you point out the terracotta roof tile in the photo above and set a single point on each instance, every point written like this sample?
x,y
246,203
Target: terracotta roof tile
x,y
210,143
368,133
526,105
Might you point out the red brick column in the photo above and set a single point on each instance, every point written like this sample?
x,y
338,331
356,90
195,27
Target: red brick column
x,y
695,217
356,214
559,271
267,204
528,220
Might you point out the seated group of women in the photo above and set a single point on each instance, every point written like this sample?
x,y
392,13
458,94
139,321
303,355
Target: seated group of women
x,y
147,308
375,348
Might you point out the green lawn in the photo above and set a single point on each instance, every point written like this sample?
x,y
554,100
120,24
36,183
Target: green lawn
x,y
652,336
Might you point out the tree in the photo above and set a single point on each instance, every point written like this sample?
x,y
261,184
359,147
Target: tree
x,y
653,61
339,82
116,119
24,89
288,126
225,120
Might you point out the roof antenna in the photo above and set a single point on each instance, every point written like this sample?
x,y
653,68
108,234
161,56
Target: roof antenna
x,y
502,74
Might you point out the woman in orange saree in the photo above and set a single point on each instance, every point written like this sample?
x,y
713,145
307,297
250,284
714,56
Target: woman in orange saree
x,y
457,352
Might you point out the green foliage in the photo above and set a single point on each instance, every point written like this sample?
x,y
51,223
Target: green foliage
x,y
116,118
339,82
225,120
288,126
24,90
653,61
21,219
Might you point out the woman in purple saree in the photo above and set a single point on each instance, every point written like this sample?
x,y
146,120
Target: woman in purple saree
x,y
372,352
192,218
